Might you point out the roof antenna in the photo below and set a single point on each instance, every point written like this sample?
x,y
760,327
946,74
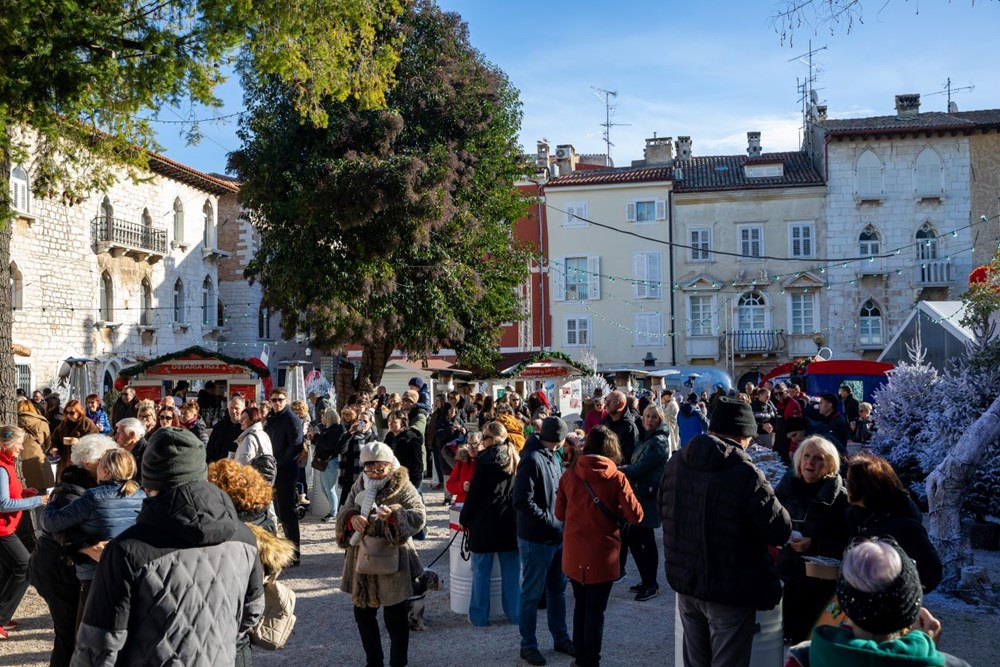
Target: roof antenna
x,y
606,96
947,88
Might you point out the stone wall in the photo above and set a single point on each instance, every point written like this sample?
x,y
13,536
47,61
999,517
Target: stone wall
x,y
985,194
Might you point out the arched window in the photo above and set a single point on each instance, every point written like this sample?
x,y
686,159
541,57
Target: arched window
x,y
107,298
207,302
870,324
927,174
146,303
263,323
869,242
209,225
869,175
178,221
751,312
20,190
180,308
16,287
927,243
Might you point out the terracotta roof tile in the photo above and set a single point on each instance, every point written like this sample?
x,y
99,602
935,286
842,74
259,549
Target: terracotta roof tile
x,y
161,164
929,120
615,175
725,172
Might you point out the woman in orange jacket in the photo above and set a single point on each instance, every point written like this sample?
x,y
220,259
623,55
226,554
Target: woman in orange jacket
x,y
591,535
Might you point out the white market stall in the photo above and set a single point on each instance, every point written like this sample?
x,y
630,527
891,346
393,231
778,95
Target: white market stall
x,y
152,379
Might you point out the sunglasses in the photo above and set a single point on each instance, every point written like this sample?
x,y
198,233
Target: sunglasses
x,y
166,418
278,399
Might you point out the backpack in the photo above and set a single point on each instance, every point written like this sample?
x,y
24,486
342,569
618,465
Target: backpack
x,y
278,620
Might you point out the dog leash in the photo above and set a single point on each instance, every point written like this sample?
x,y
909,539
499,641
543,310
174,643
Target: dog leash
x,y
465,552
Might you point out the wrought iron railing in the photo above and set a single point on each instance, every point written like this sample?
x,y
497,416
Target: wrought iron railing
x,y
129,234
755,342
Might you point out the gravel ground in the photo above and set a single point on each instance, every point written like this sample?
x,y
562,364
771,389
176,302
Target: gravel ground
x,y
636,633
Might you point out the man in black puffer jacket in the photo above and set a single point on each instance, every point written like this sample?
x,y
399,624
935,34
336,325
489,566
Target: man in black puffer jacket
x,y
719,516
182,584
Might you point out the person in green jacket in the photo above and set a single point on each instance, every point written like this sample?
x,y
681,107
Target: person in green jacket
x,y
644,474
885,624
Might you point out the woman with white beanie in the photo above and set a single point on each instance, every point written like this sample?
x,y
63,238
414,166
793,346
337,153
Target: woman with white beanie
x,y
377,520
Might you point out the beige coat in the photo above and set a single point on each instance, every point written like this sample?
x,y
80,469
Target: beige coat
x,y
34,466
408,517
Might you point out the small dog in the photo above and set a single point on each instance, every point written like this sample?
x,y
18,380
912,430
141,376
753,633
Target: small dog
x,y
428,581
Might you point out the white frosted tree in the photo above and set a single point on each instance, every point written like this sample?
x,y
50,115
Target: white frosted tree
x,y
591,382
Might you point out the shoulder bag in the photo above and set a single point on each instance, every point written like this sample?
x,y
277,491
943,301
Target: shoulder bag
x,y
620,522
376,556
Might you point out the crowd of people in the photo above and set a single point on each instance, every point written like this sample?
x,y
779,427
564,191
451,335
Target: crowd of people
x,y
146,495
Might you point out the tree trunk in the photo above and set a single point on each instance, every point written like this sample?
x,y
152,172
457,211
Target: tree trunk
x,y
946,490
8,405
374,357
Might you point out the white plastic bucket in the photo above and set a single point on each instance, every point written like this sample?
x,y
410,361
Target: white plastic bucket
x,y
461,572
768,639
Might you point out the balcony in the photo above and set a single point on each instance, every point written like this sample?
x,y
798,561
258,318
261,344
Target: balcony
x,y
934,273
124,237
755,342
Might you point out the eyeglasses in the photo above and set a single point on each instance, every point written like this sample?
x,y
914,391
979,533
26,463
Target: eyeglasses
x,y
165,418
378,466
278,399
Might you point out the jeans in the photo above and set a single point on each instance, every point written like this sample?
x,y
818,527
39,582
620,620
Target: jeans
x,y
438,464
541,570
482,574
642,544
326,480
13,575
716,635
588,621
397,624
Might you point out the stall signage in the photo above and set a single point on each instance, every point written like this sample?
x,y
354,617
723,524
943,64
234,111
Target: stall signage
x,y
534,371
203,367
247,391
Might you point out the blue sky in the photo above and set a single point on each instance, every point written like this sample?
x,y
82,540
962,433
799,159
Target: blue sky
x,y
709,69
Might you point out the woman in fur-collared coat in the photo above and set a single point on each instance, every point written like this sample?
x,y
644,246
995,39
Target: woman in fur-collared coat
x,y
382,503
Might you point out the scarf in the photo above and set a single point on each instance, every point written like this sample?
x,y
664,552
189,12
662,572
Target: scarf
x,y
371,489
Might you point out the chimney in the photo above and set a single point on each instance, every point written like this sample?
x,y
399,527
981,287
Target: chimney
x,y
542,156
907,106
683,146
753,144
566,158
821,113
659,150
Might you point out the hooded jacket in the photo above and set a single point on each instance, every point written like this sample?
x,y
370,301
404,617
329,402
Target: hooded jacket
x,y
251,443
719,516
515,429
691,421
465,466
488,512
645,471
591,541
34,466
535,487
177,588
838,647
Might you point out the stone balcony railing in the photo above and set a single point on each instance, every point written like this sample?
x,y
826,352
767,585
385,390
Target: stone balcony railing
x,y
118,237
933,273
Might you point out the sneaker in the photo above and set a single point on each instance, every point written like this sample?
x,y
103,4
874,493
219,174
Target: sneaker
x,y
647,593
622,577
447,501
303,500
636,588
438,486
9,625
566,646
532,656
329,518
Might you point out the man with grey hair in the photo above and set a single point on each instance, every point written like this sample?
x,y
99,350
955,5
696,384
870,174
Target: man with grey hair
x,y
130,434
222,441
880,593
712,490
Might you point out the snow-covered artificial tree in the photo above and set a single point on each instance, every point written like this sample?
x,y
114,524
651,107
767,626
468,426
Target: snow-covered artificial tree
x,y
906,407
591,382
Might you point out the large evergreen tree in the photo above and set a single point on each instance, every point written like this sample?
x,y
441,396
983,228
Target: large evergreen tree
x,y
392,228
77,78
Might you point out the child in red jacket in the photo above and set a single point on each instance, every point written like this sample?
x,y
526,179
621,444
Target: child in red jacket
x,y
465,463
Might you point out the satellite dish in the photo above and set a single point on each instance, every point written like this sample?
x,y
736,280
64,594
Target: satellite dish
x,y
813,97
952,107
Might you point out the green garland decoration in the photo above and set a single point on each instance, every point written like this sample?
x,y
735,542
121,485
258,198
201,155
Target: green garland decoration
x,y
552,354
132,371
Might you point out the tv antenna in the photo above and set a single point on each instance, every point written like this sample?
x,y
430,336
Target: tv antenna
x,y
607,96
808,96
947,88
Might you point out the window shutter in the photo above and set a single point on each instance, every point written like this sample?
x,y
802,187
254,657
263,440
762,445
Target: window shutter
x,y
807,250
661,209
583,331
557,279
594,266
571,334
639,287
630,212
654,276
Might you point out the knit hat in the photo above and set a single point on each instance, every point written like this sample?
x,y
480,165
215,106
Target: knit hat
x,y
174,456
553,429
416,382
733,417
377,451
892,609
411,396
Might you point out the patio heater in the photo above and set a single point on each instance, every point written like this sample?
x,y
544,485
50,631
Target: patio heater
x,y
79,378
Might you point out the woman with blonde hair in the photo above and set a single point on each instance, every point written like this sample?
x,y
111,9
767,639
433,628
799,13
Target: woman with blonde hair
x,y
488,514
102,512
507,416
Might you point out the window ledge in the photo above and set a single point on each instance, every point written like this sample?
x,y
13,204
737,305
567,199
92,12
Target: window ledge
x,y
146,328
27,217
104,324
868,199
929,198
183,245
181,326
215,331
871,346
214,253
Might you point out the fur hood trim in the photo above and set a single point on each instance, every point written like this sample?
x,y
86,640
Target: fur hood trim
x,y
276,553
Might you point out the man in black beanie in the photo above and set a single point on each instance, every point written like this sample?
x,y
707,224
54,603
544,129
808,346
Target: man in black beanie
x,y
719,516
183,584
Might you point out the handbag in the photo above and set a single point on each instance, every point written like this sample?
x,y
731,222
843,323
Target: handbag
x,y
620,522
278,620
320,464
376,556
645,489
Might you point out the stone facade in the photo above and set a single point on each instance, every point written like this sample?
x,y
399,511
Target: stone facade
x,y
82,276
984,149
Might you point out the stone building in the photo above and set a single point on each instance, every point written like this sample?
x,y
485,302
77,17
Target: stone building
x,y
906,198
128,274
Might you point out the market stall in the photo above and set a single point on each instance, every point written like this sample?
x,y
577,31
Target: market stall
x,y
555,374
